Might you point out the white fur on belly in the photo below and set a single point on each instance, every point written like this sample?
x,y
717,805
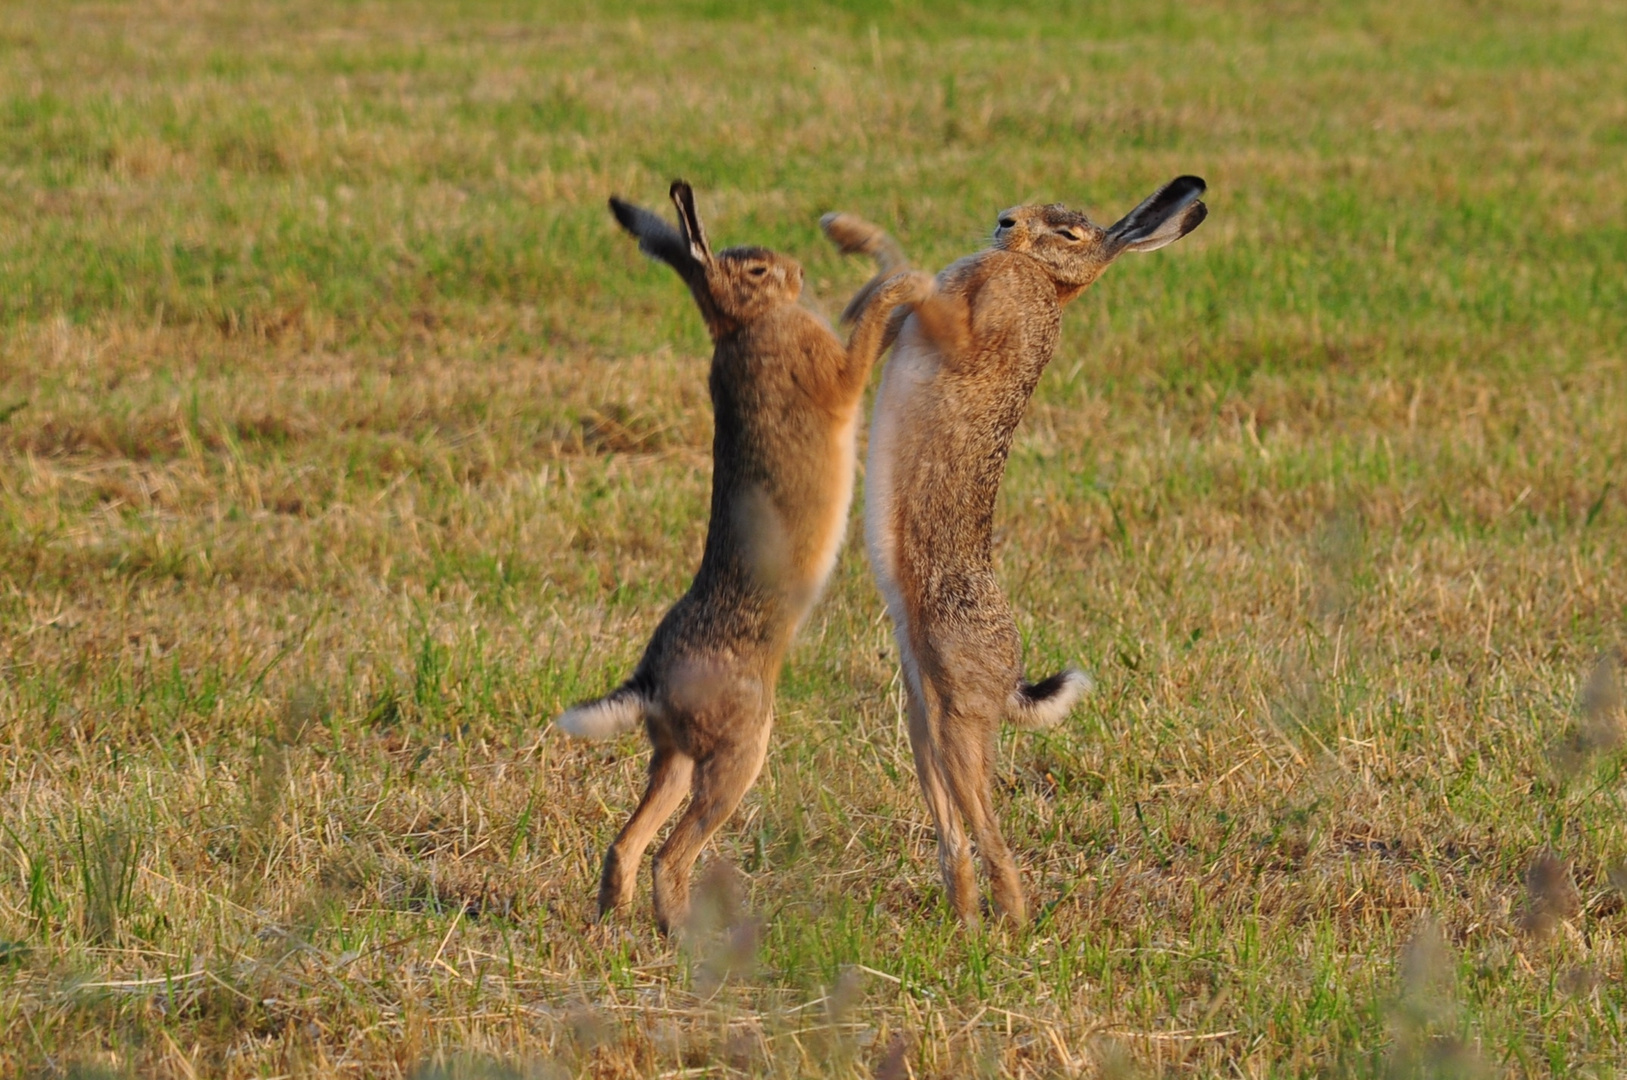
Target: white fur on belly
x,y
843,459
908,374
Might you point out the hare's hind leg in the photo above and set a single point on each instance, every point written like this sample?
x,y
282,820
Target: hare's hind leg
x,y
722,779
968,744
670,773
978,665
954,853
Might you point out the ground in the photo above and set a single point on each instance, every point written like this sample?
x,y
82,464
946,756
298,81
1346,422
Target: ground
x,y
345,441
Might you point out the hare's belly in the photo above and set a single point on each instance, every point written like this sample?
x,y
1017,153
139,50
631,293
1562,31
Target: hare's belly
x,y
894,438
838,498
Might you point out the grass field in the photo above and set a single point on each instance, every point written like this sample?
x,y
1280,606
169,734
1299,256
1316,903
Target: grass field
x,y
345,441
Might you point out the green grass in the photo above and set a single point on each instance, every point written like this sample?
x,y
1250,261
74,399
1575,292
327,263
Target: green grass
x,y
344,440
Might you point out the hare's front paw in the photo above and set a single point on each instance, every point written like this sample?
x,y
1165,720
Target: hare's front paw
x,y
917,286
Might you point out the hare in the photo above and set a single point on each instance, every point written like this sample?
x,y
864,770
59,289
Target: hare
x,y
785,393
962,370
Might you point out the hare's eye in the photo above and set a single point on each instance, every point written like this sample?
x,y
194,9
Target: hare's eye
x,y
1007,222
1071,234
757,271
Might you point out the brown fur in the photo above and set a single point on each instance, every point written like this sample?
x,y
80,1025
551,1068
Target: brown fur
x,y
786,394
964,366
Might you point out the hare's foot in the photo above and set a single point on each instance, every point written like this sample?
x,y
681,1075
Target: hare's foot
x,y
721,781
670,774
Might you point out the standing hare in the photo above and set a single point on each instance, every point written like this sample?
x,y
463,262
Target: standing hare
x,y
959,380
785,394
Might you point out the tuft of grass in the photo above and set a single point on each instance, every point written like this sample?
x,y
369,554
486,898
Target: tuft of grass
x,y
344,441
109,863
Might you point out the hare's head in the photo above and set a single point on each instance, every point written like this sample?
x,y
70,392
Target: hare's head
x,y
747,281
733,286
1075,250
1070,245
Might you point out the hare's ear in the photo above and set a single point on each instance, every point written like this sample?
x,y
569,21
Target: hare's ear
x,y
1162,218
689,222
656,238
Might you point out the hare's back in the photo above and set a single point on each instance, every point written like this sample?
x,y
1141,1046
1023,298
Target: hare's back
x,y
720,620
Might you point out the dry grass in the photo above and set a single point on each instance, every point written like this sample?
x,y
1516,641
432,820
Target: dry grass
x,y
344,443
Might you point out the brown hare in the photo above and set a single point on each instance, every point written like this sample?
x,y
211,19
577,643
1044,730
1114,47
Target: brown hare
x,y
964,365
785,394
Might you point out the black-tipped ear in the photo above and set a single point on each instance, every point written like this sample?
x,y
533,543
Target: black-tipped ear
x,y
1162,218
656,238
689,222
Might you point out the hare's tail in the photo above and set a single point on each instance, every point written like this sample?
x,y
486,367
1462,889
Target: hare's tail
x,y
620,710
1042,704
